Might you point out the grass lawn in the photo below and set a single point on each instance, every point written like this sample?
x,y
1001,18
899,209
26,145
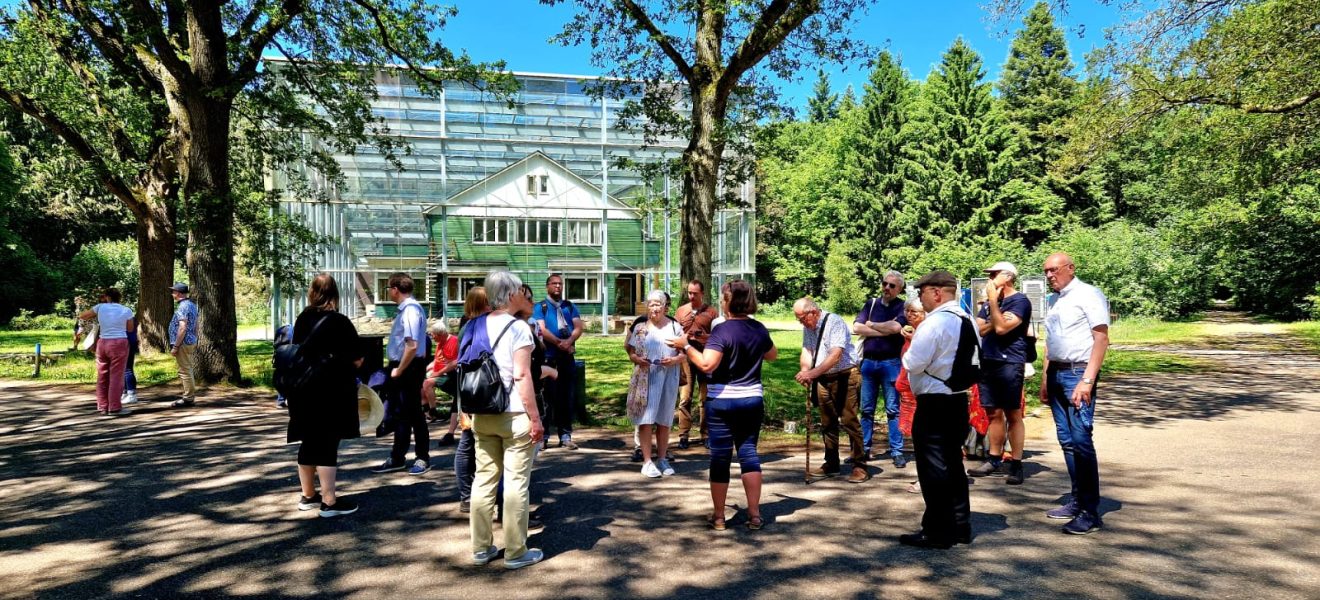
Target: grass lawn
x,y
1145,332
608,371
1308,331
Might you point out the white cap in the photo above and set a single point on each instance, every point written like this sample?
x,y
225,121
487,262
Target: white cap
x,y
1003,266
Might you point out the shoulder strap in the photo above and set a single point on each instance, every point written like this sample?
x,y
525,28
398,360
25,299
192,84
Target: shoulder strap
x,y
313,331
820,335
502,332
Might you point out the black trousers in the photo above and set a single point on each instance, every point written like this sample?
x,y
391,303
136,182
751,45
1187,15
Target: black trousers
x,y
406,411
938,430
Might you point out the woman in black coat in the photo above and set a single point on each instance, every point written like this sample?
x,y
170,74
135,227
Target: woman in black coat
x,y
327,413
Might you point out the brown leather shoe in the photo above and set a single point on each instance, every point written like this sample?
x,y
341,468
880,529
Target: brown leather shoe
x,y
859,474
825,471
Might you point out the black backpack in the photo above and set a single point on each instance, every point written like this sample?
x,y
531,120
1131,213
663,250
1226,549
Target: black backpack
x,y
966,372
295,369
481,388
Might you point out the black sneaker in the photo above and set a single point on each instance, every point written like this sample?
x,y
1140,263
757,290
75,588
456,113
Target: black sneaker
x,y
900,461
465,506
305,503
1083,524
683,443
1014,472
389,467
985,469
535,526
447,440
342,506
637,455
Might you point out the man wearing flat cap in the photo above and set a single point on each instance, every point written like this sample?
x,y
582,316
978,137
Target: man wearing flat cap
x,y
941,365
1003,323
183,340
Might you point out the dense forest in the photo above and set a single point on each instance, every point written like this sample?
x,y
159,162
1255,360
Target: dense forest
x,y
1173,172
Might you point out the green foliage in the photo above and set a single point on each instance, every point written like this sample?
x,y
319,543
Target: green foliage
x,y
106,264
26,321
843,286
1139,269
823,104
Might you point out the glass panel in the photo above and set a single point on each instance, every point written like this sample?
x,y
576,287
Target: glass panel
x,y
575,288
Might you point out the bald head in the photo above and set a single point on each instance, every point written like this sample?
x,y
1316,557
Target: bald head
x,y
1059,270
807,312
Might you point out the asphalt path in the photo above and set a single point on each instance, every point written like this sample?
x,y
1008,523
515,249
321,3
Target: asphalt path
x,y
1208,483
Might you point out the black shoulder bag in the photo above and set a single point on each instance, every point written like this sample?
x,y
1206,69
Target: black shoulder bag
x,y
295,369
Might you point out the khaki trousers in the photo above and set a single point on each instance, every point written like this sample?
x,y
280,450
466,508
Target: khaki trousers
x,y
694,393
504,450
185,361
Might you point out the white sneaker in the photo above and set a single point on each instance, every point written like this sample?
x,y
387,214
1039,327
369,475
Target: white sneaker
x,y
665,469
649,470
129,397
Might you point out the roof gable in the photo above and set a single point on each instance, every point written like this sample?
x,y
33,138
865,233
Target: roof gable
x,y
536,185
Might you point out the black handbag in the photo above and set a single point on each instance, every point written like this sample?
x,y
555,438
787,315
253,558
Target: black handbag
x,y
296,370
480,387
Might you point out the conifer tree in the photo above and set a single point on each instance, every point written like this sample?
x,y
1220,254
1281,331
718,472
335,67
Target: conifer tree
x,y
823,104
877,159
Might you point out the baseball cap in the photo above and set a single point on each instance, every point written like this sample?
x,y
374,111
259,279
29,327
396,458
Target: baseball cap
x,y
181,288
1003,266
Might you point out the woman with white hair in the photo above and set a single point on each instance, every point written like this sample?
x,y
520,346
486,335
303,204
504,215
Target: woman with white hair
x,y
505,442
654,388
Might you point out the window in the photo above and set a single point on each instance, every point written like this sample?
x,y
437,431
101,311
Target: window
x,y
582,233
420,287
538,185
490,231
459,286
582,289
537,231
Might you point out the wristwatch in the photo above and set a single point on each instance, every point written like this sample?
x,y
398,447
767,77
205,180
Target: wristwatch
x,y
1088,381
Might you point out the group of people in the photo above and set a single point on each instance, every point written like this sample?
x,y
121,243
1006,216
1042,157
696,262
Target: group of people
x,y
113,329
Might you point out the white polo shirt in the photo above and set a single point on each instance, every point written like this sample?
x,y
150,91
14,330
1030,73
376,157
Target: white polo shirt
x,y
934,346
1077,309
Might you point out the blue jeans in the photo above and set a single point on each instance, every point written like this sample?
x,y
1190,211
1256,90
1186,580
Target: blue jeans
x,y
1074,427
877,375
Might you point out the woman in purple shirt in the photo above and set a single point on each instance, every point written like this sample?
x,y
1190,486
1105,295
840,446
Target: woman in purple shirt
x,y
734,406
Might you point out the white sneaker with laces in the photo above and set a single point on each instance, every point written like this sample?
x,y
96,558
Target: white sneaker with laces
x,y
665,469
650,470
129,397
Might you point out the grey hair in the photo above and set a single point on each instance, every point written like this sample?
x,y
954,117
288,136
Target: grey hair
x,y
500,287
440,326
914,304
657,295
807,304
902,283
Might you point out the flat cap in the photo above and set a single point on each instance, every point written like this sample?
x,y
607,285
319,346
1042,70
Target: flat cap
x,y
943,279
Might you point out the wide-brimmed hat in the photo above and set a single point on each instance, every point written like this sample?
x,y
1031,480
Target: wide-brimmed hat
x,y
370,410
181,288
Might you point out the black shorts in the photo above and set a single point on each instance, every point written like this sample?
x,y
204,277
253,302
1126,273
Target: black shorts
x,y
319,452
1001,385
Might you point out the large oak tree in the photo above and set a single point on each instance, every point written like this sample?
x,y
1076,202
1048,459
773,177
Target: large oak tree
x,y
148,93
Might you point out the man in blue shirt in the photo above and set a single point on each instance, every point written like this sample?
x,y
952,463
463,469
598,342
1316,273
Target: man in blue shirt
x,y
403,389
560,326
183,341
880,324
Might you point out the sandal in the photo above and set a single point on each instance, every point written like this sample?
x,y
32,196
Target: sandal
x,y
755,523
716,523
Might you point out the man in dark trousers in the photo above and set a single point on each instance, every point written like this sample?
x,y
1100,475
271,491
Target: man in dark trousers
x,y
560,326
695,318
941,385
407,369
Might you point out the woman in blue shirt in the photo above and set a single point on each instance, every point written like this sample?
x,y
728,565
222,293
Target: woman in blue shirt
x,y
735,403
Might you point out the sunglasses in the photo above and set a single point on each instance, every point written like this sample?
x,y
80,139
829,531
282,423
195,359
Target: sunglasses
x,y
891,286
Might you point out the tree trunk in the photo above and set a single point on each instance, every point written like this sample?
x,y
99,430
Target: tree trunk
x,y
700,183
156,242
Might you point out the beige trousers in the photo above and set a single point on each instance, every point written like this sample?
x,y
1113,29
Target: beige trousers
x,y
185,361
504,450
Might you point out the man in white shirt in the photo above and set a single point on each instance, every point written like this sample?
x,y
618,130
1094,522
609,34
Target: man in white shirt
x,y
1076,338
945,340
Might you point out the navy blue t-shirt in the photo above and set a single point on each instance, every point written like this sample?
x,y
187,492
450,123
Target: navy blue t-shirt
x,y
1010,347
888,346
743,343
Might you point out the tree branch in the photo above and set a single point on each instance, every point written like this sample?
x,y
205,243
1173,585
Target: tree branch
x,y
80,146
1246,107
109,41
163,49
666,44
777,22
388,43
255,43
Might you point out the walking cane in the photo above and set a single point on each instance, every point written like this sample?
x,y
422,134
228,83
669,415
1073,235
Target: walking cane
x,y
806,469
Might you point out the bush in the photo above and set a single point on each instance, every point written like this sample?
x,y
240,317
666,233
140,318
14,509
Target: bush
x,y
107,263
1139,268
26,321
843,286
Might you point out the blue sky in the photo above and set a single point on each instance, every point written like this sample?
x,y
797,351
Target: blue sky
x,y
919,31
